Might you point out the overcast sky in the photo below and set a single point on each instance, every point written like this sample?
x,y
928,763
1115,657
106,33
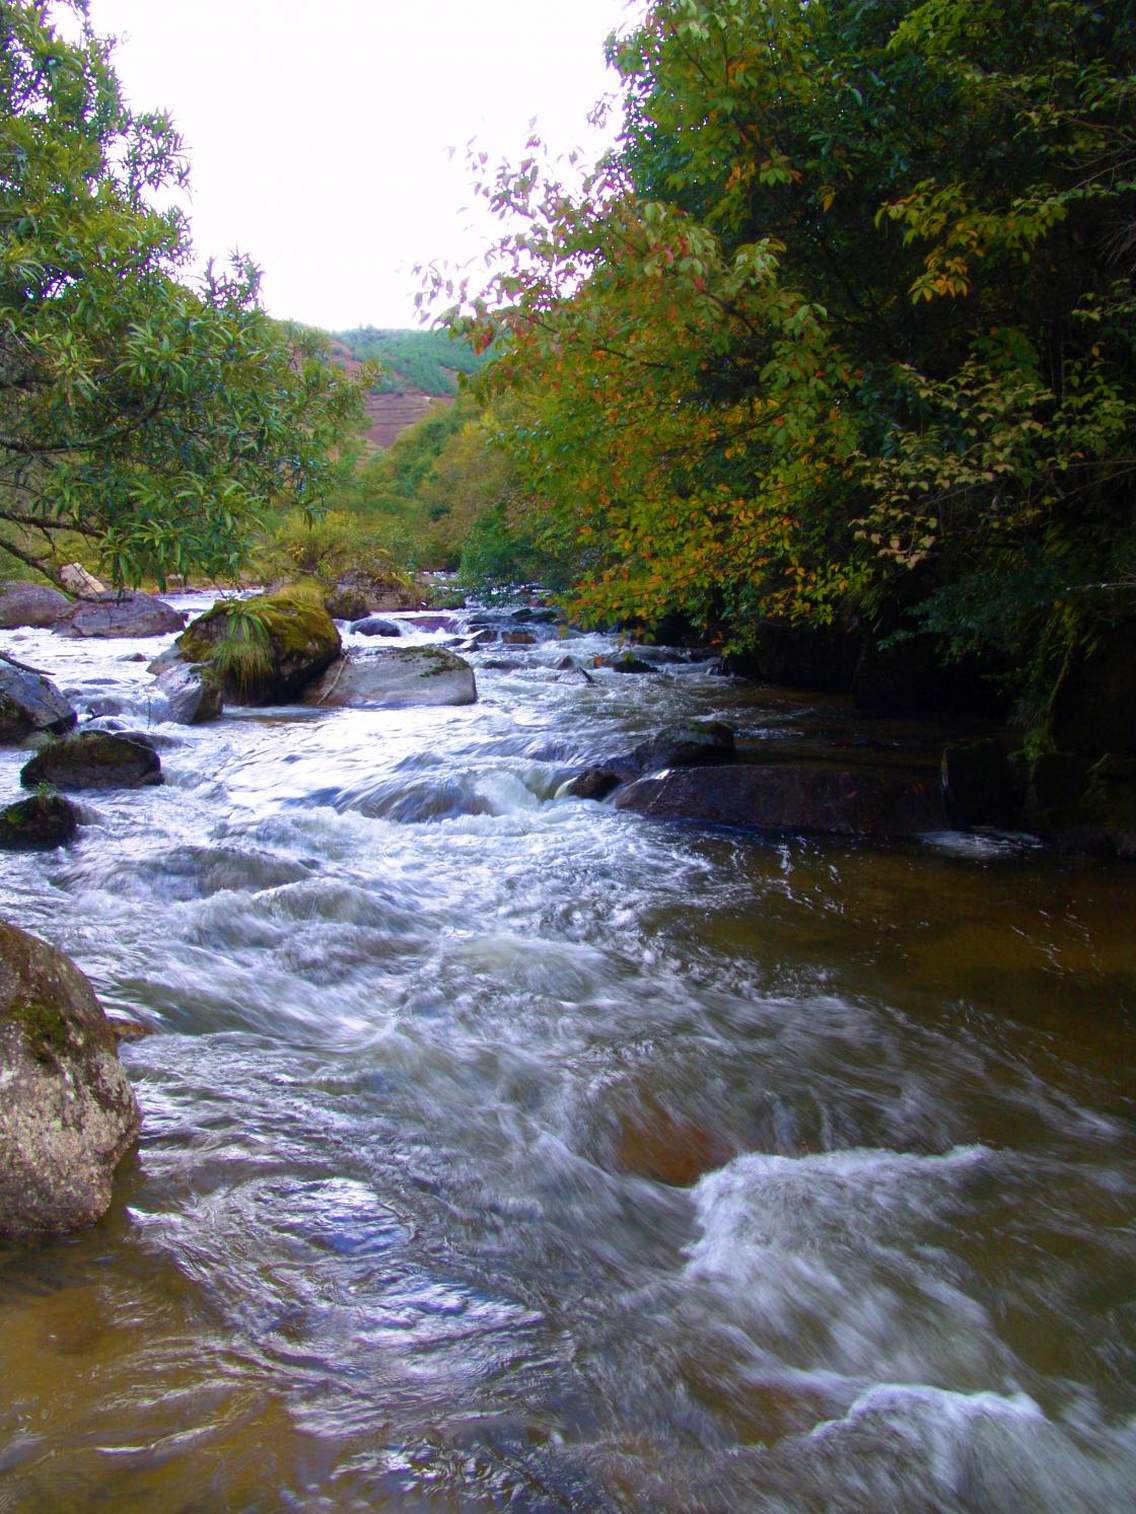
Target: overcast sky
x,y
319,131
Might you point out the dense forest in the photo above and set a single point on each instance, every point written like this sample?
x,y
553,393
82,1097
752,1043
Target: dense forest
x,y
840,336
835,345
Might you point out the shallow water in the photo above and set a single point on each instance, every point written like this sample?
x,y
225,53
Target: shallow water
x,y
506,1151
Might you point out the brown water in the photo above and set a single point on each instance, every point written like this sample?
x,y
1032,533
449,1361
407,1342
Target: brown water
x,y
502,1151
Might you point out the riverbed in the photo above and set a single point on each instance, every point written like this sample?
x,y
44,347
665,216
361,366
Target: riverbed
x,y
508,1151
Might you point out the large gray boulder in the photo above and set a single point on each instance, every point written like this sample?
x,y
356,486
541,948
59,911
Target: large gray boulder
x,y
24,604
67,1112
93,760
807,798
30,702
128,614
394,678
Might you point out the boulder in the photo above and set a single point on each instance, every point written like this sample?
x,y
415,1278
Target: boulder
x,y
810,798
358,593
1084,808
375,625
393,678
535,616
518,638
192,697
93,760
688,745
38,824
264,650
29,702
76,578
131,613
24,604
626,662
67,1113
592,783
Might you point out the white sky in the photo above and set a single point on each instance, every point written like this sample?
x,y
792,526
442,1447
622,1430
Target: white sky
x,y
318,130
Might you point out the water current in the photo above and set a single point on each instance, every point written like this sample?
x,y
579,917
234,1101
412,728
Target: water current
x,y
507,1151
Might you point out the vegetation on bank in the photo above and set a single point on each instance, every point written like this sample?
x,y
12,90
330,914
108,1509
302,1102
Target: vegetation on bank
x,y
146,426
427,361
842,331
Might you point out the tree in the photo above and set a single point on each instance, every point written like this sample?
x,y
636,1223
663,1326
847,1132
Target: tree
x,y
157,422
845,322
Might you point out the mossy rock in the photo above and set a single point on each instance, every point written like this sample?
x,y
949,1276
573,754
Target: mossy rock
x,y
68,1114
38,824
93,760
290,638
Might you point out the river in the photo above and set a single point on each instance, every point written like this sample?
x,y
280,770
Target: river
x,y
503,1151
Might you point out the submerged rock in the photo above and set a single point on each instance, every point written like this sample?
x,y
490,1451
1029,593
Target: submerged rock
x,y
27,604
592,783
395,677
128,614
375,625
67,1112
265,650
817,798
29,702
93,760
38,824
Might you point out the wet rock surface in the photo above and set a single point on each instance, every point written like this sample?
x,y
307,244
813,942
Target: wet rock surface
x,y
191,697
30,702
395,677
27,604
38,824
798,798
93,760
128,614
67,1113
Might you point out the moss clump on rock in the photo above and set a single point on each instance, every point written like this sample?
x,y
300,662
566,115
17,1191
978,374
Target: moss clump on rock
x,y
43,821
93,760
294,641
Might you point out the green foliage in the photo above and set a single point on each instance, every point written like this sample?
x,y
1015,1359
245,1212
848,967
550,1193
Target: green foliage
x,y
159,424
417,501
845,321
426,361
242,657
324,548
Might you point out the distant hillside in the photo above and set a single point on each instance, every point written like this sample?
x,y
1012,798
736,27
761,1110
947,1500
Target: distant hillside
x,y
420,362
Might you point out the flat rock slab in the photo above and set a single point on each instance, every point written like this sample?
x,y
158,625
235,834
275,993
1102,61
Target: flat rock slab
x,y
67,1113
395,678
133,614
93,760
815,798
30,702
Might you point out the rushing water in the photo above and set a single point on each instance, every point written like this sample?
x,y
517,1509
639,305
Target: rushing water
x,y
506,1151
